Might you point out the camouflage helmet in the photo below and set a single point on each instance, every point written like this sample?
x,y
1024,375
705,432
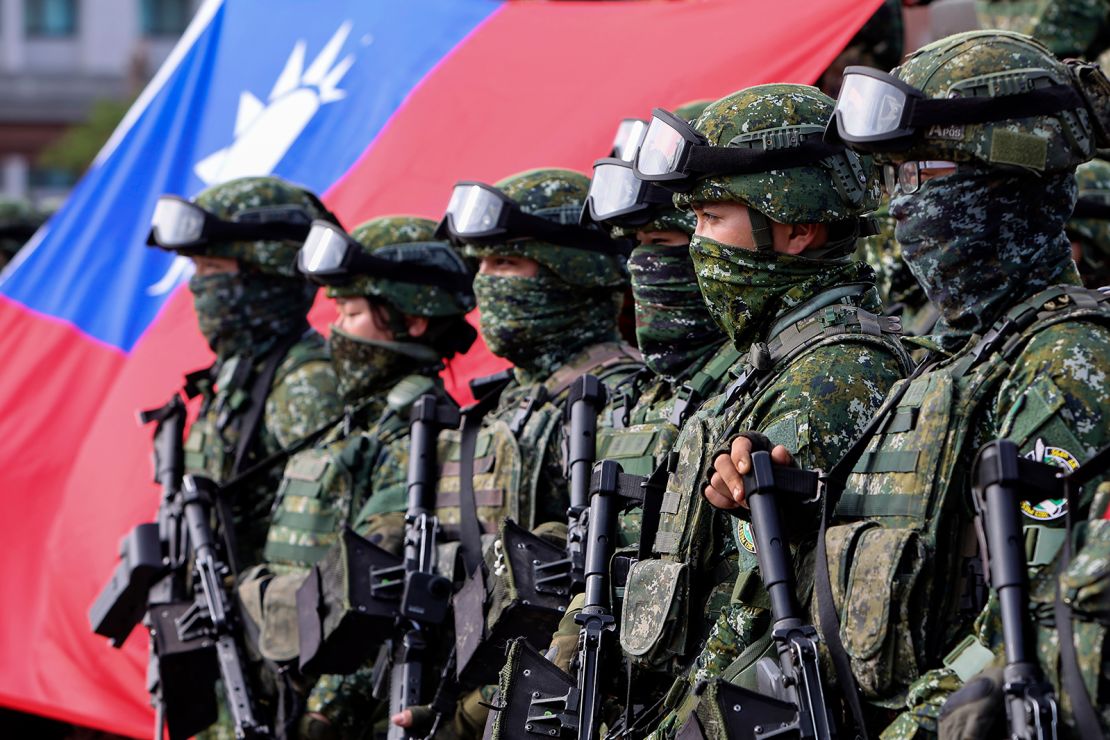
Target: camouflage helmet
x,y
690,111
995,64
396,233
840,187
557,195
232,198
18,221
1094,187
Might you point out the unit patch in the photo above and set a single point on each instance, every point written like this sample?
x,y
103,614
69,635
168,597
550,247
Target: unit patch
x,y
1052,508
744,536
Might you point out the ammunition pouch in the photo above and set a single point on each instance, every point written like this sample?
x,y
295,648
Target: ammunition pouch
x,y
874,573
655,620
510,598
347,604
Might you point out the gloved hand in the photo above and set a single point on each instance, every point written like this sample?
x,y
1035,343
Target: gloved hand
x,y
974,710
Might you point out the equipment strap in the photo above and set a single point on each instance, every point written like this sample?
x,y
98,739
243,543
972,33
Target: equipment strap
x,y
470,530
248,429
691,394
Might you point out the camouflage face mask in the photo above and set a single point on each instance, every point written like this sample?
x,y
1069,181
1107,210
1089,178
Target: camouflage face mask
x,y
245,313
673,325
364,366
979,241
539,323
746,290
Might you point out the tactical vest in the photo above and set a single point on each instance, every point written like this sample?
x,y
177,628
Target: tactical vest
x,y
323,487
506,481
666,610
895,555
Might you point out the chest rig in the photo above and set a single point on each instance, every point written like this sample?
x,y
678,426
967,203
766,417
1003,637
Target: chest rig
x,y
323,487
894,554
665,609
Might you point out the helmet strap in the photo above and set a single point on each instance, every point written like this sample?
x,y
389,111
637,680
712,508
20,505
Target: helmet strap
x,y
761,230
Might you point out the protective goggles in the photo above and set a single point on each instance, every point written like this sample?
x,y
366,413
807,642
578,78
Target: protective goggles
x,y
674,154
482,214
617,194
331,257
630,132
879,112
906,176
181,226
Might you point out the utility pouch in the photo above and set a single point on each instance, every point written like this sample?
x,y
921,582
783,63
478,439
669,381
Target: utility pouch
x,y
507,602
875,570
654,620
187,670
347,604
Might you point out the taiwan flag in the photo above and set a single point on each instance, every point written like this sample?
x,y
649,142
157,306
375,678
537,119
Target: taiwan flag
x,y
380,107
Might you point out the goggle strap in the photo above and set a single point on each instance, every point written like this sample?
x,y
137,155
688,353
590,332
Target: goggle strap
x,y
406,272
565,235
737,161
1089,208
958,111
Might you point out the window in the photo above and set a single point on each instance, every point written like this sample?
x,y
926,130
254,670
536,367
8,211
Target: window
x,y
50,17
164,17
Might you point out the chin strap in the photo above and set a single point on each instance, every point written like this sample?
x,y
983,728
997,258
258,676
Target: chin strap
x,y
761,230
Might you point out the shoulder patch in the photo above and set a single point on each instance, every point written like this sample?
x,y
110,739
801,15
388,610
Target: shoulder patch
x,y
1049,509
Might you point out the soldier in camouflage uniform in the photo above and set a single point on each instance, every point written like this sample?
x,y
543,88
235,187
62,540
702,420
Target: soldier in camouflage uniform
x,y
387,348
251,306
1089,226
981,208
272,382
1069,28
686,356
550,308
18,221
772,253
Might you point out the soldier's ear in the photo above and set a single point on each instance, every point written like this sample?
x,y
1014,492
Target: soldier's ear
x,y
416,325
802,237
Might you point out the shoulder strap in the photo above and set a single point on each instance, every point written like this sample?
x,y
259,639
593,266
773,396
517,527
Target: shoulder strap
x,y
470,531
1048,307
595,359
691,394
259,391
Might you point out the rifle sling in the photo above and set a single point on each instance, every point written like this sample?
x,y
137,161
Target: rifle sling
x,y
470,530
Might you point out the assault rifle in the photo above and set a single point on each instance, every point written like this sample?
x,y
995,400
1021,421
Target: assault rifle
x,y
426,597
790,700
191,617
543,700
1003,479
